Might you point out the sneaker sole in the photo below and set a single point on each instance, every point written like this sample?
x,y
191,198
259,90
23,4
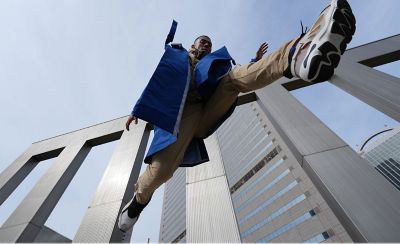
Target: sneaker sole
x,y
331,44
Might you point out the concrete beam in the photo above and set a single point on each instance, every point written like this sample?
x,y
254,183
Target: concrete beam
x,y
380,90
375,53
246,98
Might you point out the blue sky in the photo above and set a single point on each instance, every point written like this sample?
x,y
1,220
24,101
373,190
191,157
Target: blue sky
x,y
65,65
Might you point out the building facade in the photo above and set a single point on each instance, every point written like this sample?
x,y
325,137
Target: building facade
x,y
173,220
384,155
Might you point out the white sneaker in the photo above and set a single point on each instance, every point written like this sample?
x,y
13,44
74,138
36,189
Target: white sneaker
x,y
318,51
125,223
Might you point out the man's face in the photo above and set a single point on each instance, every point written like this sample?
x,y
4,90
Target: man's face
x,y
203,46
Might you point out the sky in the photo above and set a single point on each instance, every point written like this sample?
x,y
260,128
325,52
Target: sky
x,y
69,64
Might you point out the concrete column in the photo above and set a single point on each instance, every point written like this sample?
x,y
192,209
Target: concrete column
x,y
27,220
14,174
115,189
364,202
70,150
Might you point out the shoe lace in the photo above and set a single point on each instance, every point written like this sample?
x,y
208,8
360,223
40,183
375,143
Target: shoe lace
x,y
303,31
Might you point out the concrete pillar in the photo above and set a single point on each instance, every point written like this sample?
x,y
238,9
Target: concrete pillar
x,y
70,150
116,189
17,171
25,223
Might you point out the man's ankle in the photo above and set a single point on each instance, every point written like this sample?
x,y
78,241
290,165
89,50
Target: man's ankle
x,y
135,208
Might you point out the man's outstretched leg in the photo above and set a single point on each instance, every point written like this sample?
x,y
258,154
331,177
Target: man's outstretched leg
x,y
312,56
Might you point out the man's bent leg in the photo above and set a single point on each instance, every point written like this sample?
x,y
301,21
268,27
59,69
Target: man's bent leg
x,y
165,162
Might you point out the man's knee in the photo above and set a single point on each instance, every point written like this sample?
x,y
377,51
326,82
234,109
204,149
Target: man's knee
x,y
239,79
149,182
227,84
163,176
154,177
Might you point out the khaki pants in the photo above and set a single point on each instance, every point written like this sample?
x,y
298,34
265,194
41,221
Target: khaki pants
x,y
199,117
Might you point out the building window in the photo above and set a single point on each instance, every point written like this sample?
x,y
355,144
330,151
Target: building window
x,y
266,188
285,228
318,238
390,169
180,237
256,168
259,178
272,216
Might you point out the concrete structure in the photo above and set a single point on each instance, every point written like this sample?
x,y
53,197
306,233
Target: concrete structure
x,y
337,183
26,223
384,155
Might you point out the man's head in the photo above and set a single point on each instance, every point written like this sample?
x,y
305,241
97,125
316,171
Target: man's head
x,y
202,46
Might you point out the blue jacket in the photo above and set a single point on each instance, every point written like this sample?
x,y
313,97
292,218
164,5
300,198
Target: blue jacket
x,y
163,99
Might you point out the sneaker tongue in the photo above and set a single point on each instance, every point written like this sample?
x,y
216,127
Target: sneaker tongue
x,y
317,25
301,56
314,29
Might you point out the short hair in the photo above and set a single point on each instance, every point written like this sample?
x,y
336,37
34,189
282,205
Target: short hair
x,y
203,36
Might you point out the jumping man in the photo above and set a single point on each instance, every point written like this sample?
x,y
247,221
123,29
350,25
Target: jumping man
x,y
191,93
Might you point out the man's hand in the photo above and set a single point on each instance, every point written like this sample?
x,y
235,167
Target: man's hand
x,y
261,51
129,121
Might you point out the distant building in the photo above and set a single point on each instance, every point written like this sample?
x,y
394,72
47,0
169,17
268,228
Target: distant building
x,y
384,154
